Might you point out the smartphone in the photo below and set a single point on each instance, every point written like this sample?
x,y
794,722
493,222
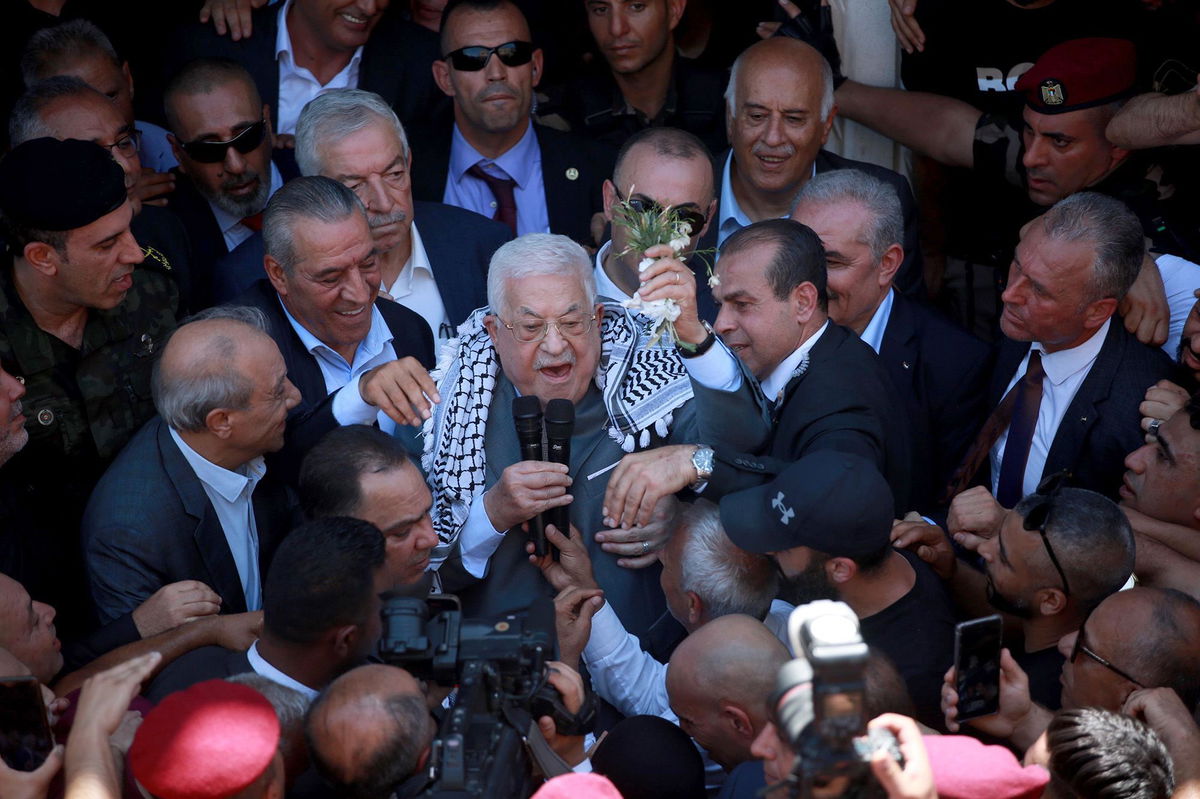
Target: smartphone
x,y
25,738
977,666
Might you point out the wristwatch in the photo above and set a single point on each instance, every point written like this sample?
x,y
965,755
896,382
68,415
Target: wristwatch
x,y
702,462
689,350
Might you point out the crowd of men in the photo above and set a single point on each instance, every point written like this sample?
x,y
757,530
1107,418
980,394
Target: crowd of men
x,y
284,287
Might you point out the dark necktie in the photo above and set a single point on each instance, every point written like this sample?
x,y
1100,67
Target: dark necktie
x,y
502,190
1018,413
254,222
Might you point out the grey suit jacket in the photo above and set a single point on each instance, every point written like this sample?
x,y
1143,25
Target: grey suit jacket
x,y
511,582
149,523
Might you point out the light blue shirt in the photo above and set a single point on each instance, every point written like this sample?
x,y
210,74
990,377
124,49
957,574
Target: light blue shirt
x,y
522,163
154,148
372,351
873,333
230,492
730,215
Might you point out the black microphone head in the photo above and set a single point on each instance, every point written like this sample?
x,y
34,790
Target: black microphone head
x,y
527,415
560,418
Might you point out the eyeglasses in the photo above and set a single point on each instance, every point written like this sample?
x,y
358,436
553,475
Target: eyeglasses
x,y
644,204
476,57
213,152
1081,647
1038,519
125,145
531,330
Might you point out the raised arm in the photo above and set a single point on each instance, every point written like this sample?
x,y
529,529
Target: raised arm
x,y
940,127
1157,120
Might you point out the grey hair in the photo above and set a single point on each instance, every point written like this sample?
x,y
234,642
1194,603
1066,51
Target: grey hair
x,y
50,49
25,122
727,579
185,398
537,254
289,704
307,198
885,219
826,86
331,115
1114,232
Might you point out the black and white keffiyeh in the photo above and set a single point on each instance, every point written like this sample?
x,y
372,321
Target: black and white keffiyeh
x,y
642,387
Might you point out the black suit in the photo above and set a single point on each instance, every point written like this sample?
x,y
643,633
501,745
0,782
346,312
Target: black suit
x,y
313,417
458,243
844,401
941,373
910,277
395,63
149,523
570,201
205,663
1102,424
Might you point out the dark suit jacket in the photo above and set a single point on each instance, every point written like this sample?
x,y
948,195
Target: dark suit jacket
x,y
570,201
941,373
1102,424
313,417
205,663
149,523
395,63
844,401
458,243
910,278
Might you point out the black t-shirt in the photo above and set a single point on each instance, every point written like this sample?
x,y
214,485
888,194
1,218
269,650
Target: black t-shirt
x,y
916,632
1043,667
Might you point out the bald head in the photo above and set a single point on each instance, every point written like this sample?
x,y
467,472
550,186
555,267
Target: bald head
x,y
801,63
733,657
370,730
199,370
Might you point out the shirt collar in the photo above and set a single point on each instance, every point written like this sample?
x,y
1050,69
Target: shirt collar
x,y
778,379
605,287
377,336
1059,366
283,44
226,220
230,485
265,669
417,259
873,333
520,162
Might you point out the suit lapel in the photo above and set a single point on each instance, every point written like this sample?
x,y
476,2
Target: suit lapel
x,y
899,348
1086,407
209,537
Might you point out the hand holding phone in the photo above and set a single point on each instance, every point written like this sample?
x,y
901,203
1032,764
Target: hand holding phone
x,y
977,666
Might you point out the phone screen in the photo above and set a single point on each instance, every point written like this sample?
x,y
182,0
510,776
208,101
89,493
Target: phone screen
x,y
25,739
977,666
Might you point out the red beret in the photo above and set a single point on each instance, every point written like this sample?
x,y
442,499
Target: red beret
x,y
207,742
1080,73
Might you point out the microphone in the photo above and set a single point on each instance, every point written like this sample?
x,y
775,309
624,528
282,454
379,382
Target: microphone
x,y
560,425
527,416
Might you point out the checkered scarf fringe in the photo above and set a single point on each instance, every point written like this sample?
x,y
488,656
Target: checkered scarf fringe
x,y
642,387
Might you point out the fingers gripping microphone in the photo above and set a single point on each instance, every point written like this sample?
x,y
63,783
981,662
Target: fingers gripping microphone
x,y
527,416
560,425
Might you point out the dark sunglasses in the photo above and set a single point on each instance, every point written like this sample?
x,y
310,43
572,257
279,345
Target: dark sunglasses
x,y
1038,518
644,204
476,57
1081,647
213,152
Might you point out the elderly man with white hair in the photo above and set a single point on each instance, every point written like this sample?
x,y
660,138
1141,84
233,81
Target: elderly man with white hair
x,y
544,334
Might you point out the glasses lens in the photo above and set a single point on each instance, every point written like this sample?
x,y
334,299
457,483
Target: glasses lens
x,y
475,57
694,218
515,54
213,152
529,331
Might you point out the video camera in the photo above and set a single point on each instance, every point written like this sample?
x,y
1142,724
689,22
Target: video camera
x,y
499,668
819,703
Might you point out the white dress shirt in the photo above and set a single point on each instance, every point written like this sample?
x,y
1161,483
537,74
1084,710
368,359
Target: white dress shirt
x,y
230,493
374,350
605,287
778,379
1065,371
297,85
265,669
416,289
231,226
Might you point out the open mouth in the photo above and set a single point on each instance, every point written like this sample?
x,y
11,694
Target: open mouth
x,y
556,372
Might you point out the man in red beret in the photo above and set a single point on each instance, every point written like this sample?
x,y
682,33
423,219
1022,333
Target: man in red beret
x,y
216,740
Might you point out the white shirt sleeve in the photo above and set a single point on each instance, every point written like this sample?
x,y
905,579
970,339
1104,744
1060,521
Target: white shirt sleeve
x,y
350,408
633,681
478,540
716,369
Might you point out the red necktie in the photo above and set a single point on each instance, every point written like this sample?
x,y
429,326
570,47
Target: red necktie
x,y
502,190
254,222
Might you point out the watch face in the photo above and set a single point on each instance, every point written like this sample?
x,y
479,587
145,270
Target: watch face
x,y
702,459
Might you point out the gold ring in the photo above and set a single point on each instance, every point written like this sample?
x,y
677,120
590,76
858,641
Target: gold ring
x,y
676,274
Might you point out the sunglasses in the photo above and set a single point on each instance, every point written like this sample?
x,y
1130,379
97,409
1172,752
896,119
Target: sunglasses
x,y
476,57
692,216
1038,519
1082,648
213,152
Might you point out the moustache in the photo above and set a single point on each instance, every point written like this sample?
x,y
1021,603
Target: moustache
x,y
379,220
565,359
235,181
495,89
781,151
